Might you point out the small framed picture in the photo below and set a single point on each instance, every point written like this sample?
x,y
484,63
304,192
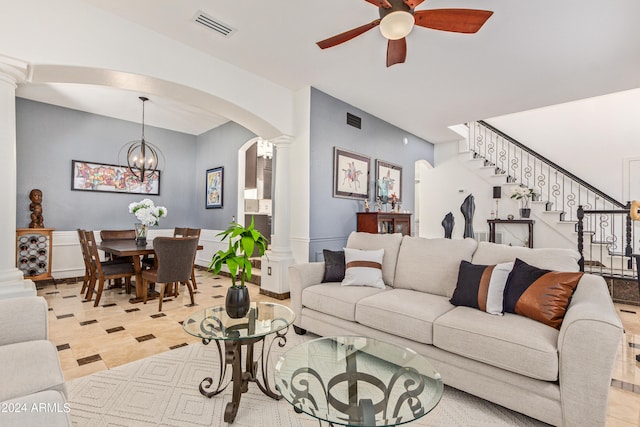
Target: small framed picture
x,y
350,174
214,188
388,181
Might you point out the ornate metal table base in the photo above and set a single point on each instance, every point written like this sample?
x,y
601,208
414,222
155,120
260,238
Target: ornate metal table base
x,y
240,378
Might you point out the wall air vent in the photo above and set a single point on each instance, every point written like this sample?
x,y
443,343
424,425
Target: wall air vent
x,y
353,120
213,24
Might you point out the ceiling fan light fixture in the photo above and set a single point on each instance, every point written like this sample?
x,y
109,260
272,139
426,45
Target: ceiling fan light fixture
x,y
397,25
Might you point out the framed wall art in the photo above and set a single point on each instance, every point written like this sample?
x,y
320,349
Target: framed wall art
x,y
88,176
350,174
214,188
388,181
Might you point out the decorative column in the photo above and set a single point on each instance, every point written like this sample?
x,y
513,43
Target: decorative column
x,y
12,282
275,268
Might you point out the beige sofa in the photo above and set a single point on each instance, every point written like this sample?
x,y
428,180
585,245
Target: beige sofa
x,y
33,391
561,377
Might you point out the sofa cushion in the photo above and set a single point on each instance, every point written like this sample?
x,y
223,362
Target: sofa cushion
x,y
511,342
335,299
431,265
333,266
481,286
29,367
405,313
363,268
389,242
539,294
558,259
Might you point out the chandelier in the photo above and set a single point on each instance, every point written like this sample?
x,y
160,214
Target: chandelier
x,y
142,156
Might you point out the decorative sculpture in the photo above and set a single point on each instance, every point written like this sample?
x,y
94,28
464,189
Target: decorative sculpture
x,y
448,224
37,221
467,208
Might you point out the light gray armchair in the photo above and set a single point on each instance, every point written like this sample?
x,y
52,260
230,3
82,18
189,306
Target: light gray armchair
x,y
33,391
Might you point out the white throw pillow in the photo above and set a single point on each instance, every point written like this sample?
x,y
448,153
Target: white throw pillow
x,y
496,287
363,268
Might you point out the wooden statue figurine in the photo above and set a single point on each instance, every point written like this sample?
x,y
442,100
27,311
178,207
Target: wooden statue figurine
x,y
468,208
37,221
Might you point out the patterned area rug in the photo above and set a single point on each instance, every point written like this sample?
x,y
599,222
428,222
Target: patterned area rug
x,y
162,390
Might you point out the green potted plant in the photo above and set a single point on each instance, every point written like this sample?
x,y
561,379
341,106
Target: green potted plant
x,y
242,243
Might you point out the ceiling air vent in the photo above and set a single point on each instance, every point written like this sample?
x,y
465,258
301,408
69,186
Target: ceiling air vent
x,y
214,24
353,120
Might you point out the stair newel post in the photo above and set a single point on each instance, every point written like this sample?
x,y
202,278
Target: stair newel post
x,y
580,214
628,249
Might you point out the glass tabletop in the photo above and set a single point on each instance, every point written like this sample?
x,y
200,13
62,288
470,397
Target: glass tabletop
x,y
358,381
263,318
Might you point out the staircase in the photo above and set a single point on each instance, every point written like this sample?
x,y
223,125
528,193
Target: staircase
x,y
606,238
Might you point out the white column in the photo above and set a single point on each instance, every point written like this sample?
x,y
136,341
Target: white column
x,y
275,266
12,282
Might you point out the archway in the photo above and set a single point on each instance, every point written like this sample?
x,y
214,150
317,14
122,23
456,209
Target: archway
x,y
137,83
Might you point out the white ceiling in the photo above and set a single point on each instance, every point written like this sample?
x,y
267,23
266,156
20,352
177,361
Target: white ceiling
x,y
528,55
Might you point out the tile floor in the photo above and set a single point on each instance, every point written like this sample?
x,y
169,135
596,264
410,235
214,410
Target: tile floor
x,y
93,339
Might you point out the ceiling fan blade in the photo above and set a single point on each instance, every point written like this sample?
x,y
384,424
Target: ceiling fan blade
x,y
413,3
347,35
455,20
396,51
381,3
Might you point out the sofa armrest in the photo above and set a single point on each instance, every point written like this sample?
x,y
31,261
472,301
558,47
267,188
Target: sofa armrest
x,y
23,319
587,344
302,276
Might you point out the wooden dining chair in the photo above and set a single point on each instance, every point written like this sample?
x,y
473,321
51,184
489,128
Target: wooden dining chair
x,y
189,232
87,261
101,271
117,235
173,266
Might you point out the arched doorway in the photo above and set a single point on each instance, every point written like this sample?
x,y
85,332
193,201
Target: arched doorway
x,y
255,171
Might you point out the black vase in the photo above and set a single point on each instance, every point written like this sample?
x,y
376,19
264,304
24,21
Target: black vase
x,y
237,302
525,212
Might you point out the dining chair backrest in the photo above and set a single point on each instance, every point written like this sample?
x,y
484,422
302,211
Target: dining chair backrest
x,y
118,234
175,257
92,252
83,248
186,232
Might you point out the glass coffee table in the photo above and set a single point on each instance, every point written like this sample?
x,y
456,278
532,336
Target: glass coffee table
x,y
358,381
263,320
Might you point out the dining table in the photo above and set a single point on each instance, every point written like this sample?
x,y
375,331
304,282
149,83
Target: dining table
x,y
131,248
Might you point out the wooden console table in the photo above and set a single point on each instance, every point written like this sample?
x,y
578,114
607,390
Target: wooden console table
x,y
384,222
493,222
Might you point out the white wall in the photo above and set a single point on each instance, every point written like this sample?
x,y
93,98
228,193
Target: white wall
x,y
445,187
299,165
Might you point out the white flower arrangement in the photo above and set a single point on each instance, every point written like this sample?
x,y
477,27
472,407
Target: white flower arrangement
x,y
146,212
520,193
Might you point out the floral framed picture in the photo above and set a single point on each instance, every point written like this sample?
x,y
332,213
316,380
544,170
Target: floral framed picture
x,y
350,174
214,188
388,181
88,176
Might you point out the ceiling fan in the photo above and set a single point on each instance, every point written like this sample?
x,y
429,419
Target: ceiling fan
x,y
397,18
